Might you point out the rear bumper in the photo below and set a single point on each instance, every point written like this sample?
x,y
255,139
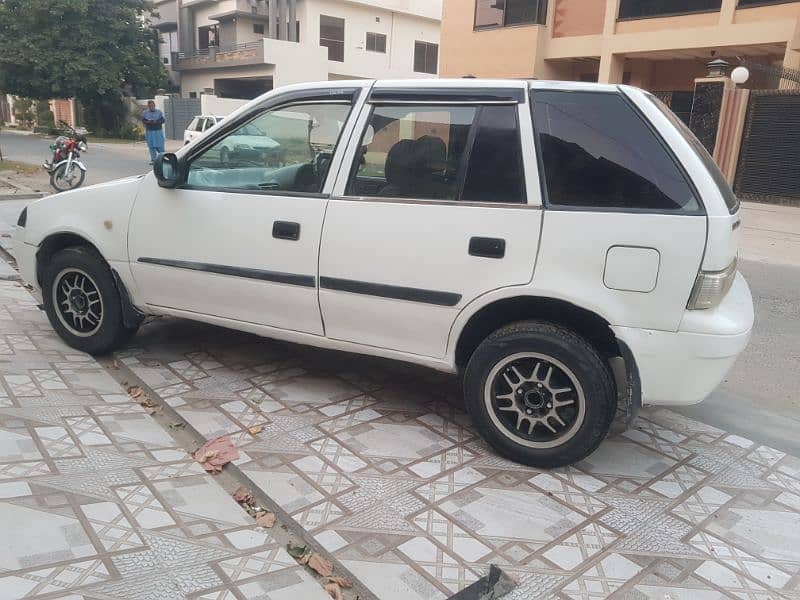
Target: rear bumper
x,y
684,367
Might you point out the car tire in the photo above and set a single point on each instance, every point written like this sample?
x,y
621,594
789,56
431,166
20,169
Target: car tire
x,y
82,301
544,416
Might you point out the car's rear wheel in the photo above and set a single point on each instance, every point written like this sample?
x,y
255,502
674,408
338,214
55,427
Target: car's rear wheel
x,y
540,394
82,302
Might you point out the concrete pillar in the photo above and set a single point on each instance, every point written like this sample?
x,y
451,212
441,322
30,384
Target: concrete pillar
x,y
292,20
273,17
186,35
727,12
612,67
791,59
612,10
282,17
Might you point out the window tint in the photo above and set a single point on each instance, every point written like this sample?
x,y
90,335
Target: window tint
x,y
285,149
192,126
426,57
637,9
331,35
412,152
376,42
598,153
495,171
731,201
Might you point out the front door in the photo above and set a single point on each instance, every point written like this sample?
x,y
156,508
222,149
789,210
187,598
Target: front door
x,y
433,213
240,239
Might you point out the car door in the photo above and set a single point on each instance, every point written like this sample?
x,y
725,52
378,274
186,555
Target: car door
x,y
624,229
431,210
240,239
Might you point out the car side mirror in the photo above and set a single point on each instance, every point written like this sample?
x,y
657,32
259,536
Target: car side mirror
x,y
167,169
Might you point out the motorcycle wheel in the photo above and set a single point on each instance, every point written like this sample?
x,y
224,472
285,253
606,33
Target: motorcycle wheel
x,y
62,183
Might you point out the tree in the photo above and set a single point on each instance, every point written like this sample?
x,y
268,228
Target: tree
x,y
92,50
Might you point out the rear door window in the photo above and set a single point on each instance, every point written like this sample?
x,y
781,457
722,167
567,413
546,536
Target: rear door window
x,y
599,153
435,152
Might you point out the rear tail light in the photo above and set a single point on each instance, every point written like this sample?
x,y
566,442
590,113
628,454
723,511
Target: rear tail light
x,y
710,287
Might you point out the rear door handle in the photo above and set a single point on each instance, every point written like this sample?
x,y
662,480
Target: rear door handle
x,y
286,230
486,247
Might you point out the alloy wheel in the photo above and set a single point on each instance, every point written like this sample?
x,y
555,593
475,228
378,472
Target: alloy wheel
x,y
535,400
78,303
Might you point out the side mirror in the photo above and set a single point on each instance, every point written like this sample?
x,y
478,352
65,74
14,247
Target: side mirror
x,y
167,170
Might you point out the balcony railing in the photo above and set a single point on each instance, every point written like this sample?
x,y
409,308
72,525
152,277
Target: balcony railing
x,y
644,9
247,53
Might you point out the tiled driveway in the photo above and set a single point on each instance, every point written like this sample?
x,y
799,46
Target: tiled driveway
x,y
378,462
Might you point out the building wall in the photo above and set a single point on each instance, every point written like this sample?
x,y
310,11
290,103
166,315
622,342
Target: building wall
x,y
578,17
401,29
581,31
502,52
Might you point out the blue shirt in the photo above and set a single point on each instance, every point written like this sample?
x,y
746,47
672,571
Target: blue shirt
x,y
153,119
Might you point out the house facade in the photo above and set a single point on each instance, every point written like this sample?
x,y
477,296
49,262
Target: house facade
x,y
660,45
243,48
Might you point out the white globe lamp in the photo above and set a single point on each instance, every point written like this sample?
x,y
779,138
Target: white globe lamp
x,y
740,75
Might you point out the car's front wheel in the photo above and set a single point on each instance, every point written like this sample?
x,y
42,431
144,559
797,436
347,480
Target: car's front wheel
x,y
82,301
540,394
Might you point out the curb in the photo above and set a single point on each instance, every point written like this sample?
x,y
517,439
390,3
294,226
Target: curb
x,y
31,196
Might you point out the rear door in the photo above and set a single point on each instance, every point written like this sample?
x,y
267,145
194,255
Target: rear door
x,y
430,210
624,228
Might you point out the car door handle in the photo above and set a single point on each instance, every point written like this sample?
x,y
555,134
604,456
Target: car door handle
x,y
486,247
286,230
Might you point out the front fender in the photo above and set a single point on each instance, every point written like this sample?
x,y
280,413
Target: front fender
x,y
81,166
98,213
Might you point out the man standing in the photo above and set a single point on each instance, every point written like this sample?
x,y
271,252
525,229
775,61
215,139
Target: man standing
x,y
153,120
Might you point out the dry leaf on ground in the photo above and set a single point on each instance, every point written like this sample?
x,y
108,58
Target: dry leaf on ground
x,y
321,565
242,495
215,454
256,429
334,591
142,399
341,581
266,520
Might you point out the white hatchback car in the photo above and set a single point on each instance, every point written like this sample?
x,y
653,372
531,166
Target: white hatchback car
x,y
198,126
569,248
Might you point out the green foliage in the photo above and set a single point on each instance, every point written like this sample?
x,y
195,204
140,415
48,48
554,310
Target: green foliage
x,y
44,116
23,111
92,50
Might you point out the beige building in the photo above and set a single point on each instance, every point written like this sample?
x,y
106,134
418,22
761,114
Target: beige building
x,y
660,45
243,48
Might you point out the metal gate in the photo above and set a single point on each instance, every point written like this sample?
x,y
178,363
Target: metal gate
x,y
178,112
769,160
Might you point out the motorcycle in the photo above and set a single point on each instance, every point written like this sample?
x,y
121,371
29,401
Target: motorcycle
x,y
66,171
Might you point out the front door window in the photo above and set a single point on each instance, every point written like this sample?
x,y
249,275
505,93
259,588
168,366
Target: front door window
x,y
287,149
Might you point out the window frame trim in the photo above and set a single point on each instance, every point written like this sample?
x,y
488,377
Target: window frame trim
x,y
376,34
363,121
426,44
548,205
287,100
504,24
682,13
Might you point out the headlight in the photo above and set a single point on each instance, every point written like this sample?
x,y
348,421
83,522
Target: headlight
x,y
82,146
710,287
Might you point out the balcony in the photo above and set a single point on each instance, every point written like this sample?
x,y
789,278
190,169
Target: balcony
x,y
648,9
250,53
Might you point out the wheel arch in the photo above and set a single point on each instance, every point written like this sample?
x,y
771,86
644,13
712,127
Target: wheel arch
x,y
55,242
503,311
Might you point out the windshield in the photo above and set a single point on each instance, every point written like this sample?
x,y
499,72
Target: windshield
x,y
731,201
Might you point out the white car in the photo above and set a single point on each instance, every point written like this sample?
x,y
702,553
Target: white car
x,y
198,126
569,249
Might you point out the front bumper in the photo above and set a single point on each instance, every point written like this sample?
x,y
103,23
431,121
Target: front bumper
x,y
684,367
25,255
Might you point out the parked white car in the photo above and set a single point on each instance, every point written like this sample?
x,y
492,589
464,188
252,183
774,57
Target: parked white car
x,y
568,248
198,126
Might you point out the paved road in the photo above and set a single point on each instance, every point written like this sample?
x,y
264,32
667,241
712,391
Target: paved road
x,y
104,161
